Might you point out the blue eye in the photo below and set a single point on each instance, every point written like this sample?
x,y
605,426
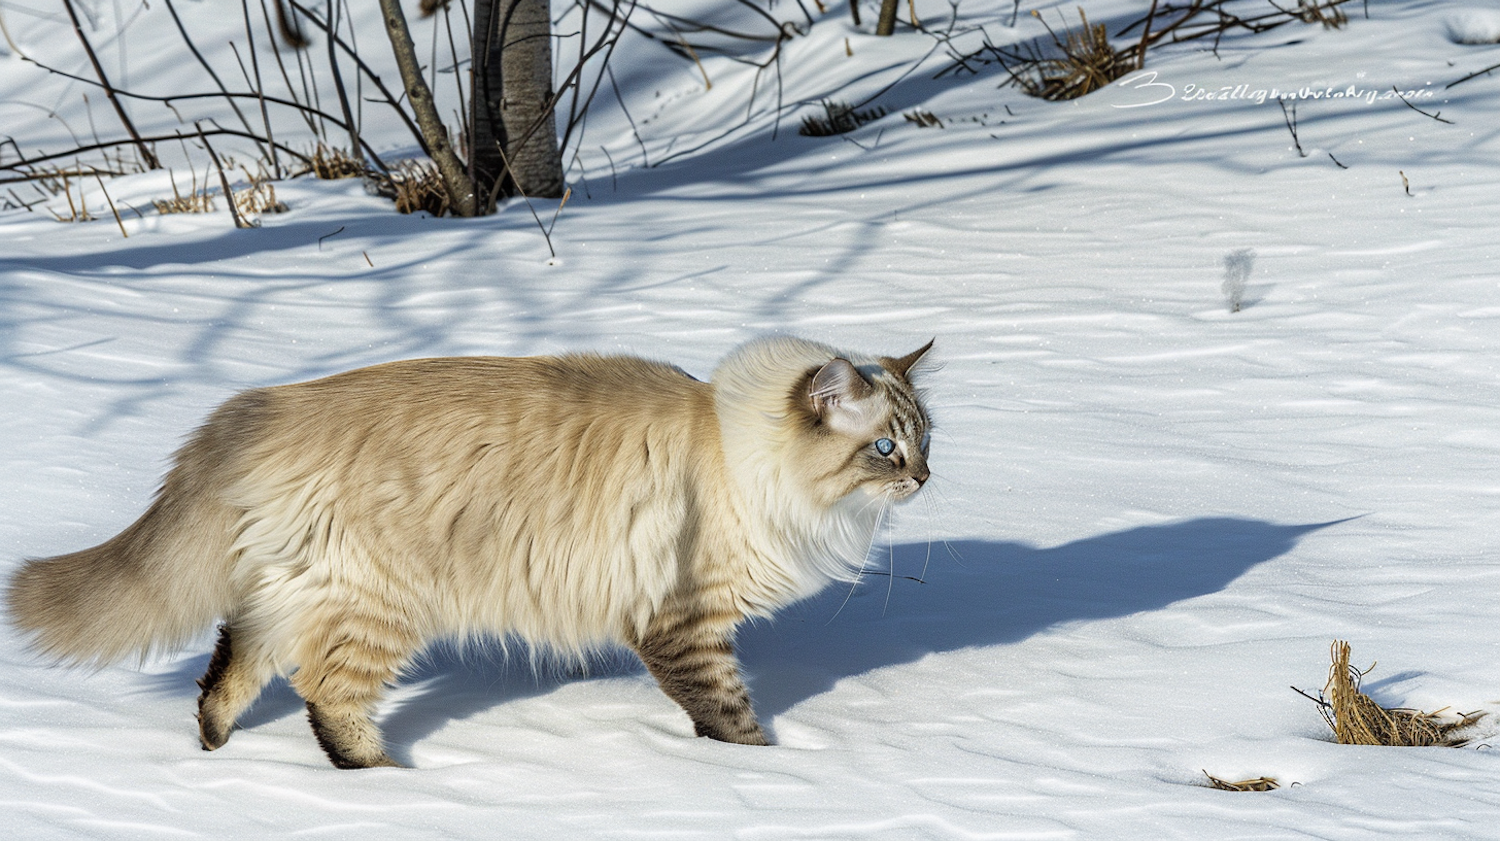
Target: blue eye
x,y
885,446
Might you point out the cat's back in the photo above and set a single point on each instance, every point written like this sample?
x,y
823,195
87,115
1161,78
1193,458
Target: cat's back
x,y
535,432
477,381
426,402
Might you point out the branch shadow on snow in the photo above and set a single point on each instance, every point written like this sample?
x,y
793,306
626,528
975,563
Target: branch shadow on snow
x,y
977,593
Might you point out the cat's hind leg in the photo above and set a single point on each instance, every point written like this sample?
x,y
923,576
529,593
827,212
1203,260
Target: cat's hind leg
x,y
345,666
692,658
236,674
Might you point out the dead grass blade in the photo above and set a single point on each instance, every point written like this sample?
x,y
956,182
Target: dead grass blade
x,y
1255,784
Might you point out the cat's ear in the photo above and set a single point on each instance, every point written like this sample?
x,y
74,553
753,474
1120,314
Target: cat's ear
x,y
900,367
837,392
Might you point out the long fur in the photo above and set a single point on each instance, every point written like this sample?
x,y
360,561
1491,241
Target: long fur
x,y
338,526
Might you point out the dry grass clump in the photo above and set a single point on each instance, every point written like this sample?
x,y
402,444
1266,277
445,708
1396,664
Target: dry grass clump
x,y
923,119
417,186
259,197
331,163
838,118
196,200
1082,60
61,182
1328,13
1256,784
1357,720
1086,62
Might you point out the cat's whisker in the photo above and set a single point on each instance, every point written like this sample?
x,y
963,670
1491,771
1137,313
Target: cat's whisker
x,y
953,553
854,584
883,500
890,549
931,506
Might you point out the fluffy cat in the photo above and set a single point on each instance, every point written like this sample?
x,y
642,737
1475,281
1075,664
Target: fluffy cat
x,y
338,526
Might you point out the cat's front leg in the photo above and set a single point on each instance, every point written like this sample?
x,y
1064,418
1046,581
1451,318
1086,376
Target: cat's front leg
x,y
692,659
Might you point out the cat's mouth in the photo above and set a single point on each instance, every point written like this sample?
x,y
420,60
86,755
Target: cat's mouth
x,y
904,488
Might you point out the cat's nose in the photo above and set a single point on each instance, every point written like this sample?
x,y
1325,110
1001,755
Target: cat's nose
x,y
922,476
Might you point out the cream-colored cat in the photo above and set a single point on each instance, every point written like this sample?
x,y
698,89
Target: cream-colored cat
x,y
339,526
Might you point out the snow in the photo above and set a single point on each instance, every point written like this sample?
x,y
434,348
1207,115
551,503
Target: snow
x,y
1149,517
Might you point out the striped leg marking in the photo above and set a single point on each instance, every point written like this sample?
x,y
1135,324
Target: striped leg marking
x,y
698,670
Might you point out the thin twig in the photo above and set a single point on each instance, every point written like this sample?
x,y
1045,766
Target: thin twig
x,y
1291,124
22,165
11,41
224,180
338,81
607,43
1419,110
1140,50
1475,74
286,78
112,209
260,88
364,68
567,194
463,106
546,233
135,136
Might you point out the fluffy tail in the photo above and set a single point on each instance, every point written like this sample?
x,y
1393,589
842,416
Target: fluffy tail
x,y
154,585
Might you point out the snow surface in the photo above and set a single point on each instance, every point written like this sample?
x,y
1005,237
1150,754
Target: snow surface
x,y
1150,515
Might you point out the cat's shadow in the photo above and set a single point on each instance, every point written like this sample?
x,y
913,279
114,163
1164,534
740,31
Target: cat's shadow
x,y
973,593
976,593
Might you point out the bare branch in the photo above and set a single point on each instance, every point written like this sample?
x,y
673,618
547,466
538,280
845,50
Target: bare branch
x,y
226,95
27,163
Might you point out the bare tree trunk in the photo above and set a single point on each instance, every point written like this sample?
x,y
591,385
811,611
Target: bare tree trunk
x,y
886,24
486,128
461,193
514,132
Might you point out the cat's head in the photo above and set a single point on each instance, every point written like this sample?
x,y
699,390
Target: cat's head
x,y
864,427
807,428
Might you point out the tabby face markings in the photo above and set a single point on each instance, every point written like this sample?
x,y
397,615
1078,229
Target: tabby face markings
x,y
898,453
875,421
